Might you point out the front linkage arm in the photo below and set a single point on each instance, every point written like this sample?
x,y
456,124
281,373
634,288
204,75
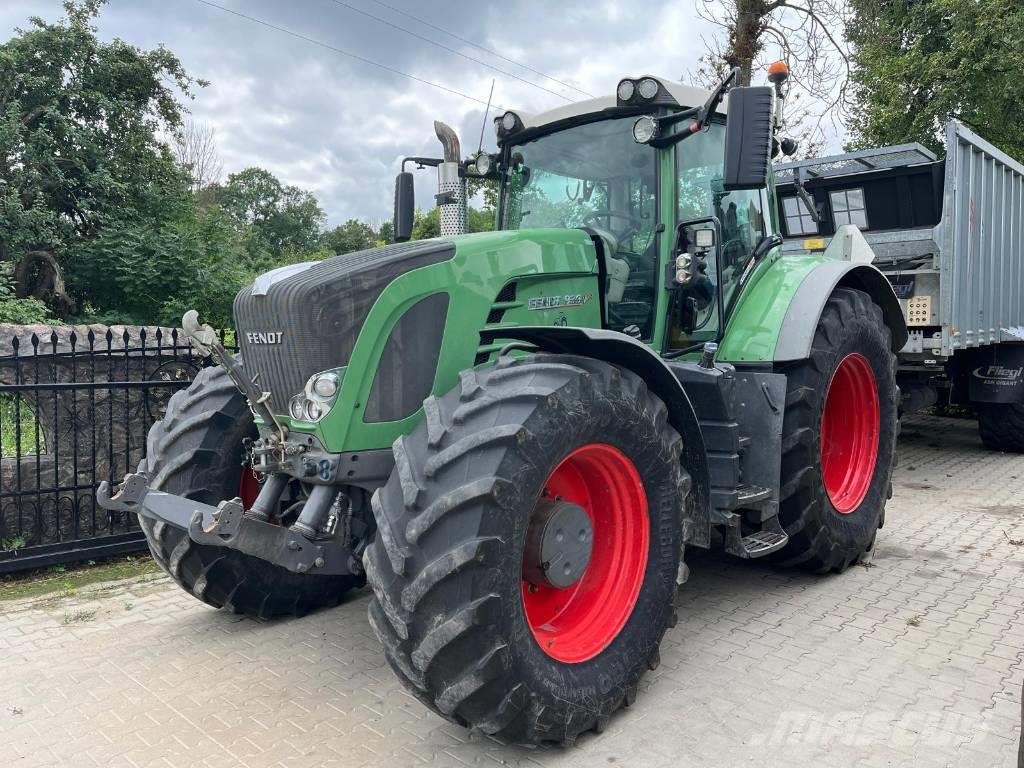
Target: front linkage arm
x,y
227,526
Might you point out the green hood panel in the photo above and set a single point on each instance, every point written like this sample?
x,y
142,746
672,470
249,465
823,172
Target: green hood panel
x,y
555,275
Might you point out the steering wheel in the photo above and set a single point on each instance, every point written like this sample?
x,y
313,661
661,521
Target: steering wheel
x,y
634,224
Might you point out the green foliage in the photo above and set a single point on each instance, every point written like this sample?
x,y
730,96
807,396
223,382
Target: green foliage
x,y
351,236
155,269
273,217
920,63
21,311
79,131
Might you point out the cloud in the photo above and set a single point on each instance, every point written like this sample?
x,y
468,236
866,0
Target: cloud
x,y
339,127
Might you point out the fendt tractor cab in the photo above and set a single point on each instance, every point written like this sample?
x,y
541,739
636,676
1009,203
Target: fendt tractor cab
x,y
514,435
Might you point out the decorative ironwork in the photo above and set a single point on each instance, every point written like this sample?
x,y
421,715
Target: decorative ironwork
x,y
75,406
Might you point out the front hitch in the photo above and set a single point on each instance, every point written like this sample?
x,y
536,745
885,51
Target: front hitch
x,y
227,525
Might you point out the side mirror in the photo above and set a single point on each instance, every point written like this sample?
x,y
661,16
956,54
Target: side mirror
x,y
748,138
405,206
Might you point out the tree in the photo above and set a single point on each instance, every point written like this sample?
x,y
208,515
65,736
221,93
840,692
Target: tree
x,y
277,219
807,34
351,236
195,150
79,141
920,63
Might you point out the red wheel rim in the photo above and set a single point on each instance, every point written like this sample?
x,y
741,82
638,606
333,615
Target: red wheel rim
x,y
849,433
248,487
577,623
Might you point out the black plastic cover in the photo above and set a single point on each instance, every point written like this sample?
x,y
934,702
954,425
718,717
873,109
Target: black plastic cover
x,y
748,138
309,322
405,373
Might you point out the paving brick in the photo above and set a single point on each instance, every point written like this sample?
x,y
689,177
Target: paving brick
x,y
767,667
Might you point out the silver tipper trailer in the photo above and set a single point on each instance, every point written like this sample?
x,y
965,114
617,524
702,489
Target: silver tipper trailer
x,y
949,235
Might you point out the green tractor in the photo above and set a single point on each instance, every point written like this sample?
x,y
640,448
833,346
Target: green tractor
x,y
514,436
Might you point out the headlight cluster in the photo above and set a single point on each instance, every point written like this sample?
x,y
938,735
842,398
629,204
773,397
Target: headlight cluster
x,y
317,397
507,123
642,91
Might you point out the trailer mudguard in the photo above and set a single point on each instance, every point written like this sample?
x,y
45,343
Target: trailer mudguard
x,y
620,349
997,374
778,314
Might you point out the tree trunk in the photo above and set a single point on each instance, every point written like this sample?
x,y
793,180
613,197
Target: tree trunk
x,y
39,275
745,39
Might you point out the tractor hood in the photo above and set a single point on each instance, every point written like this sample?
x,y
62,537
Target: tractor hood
x,y
397,323
301,320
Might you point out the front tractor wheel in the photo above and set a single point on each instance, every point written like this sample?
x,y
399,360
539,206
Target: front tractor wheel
x,y
528,543
839,437
195,451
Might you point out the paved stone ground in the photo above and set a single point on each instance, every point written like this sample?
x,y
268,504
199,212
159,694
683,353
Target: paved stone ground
x,y
916,660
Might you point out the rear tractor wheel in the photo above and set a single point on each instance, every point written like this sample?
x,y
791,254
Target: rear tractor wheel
x,y
839,437
528,543
195,451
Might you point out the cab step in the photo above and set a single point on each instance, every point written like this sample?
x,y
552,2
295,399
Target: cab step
x,y
751,496
758,544
762,543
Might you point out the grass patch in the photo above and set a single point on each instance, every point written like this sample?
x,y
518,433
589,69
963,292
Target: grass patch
x,y
76,617
14,409
13,544
66,583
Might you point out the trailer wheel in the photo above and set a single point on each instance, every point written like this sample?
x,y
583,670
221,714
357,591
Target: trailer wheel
x,y
528,543
839,437
195,451
1001,426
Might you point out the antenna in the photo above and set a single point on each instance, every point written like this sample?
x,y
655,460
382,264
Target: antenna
x,y
483,125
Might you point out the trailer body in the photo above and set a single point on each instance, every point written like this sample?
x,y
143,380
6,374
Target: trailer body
x,y
947,233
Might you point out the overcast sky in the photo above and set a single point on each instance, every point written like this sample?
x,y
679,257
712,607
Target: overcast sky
x,y
338,126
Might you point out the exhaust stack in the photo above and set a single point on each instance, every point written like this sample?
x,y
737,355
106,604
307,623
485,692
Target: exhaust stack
x,y
451,184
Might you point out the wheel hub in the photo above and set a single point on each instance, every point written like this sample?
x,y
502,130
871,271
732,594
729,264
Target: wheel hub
x,y
559,542
849,433
575,615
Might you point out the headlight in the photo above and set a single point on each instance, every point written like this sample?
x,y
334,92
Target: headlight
x,y
648,88
314,410
483,164
325,385
645,129
295,407
625,90
508,121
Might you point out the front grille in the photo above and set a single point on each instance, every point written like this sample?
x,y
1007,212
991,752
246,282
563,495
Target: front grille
x,y
319,313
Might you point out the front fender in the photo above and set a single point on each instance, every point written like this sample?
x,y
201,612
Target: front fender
x,y
620,349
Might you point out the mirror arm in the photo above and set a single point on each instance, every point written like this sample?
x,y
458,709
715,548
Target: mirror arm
x,y
421,162
805,196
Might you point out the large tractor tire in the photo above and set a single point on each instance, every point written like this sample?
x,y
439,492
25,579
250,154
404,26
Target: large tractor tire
x,y
839,437
196,451
1001,426
485,600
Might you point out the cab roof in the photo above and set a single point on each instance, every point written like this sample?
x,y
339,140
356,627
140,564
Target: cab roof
x,y
683,95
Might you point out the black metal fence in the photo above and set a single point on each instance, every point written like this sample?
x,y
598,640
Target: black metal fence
x,y
75,406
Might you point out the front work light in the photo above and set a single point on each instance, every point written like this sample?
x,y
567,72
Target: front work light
x,y
508,121
648,88
483,164
625,90
645,129
704,238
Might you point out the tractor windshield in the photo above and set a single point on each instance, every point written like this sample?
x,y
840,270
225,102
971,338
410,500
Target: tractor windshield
x,y
590,175
593,175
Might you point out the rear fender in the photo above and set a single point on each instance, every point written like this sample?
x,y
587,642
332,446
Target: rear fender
x,y
777,314
801,321
619,349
